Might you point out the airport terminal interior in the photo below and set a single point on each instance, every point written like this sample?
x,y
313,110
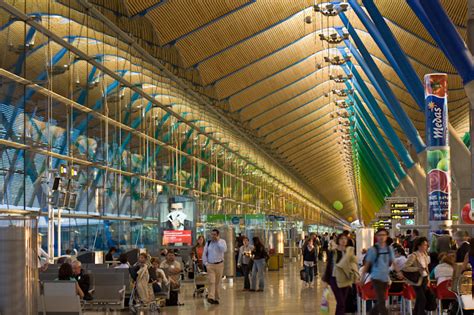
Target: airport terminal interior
x,y
236,157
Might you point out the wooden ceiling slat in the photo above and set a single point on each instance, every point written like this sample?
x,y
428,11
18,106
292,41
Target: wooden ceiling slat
x,y
179,17
274,99
254,48
137,6
235,27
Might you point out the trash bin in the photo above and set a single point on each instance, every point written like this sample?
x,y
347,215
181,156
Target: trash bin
x,y
281,258
273,263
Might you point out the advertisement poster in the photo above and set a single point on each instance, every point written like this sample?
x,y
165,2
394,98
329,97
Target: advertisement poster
x,y
177,237
437,142
177,220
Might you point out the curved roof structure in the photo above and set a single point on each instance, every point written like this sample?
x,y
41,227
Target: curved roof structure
x,y
268,67
264,65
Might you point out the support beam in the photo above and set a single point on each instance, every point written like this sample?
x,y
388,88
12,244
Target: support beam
x,y
436,21
378,80
389,46
379,115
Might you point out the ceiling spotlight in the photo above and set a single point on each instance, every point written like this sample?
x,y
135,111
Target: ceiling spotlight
x,y
330,9
334,38
308,19
342,93
337,60
340,78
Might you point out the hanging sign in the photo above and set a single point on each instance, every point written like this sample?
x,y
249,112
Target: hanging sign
x,y
437,142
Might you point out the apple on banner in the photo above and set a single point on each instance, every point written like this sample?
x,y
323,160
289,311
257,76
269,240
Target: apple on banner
x,y
467,214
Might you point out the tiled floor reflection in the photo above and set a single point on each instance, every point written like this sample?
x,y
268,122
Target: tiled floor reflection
x,y
284,294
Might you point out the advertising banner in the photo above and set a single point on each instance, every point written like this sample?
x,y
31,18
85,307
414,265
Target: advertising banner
x,y
177,237
177,219
437,142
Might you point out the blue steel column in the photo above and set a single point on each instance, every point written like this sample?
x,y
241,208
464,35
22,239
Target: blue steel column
x,y
389,46
379,82
379,115
359,109
440,27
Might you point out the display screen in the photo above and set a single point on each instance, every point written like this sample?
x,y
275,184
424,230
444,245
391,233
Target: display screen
x,y
177,220
177,237
383,222
402,210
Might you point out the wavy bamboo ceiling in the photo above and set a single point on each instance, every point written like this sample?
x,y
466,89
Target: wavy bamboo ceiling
x,y
265,67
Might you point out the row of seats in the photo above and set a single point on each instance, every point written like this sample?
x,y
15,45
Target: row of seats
x,y
108,288
442,292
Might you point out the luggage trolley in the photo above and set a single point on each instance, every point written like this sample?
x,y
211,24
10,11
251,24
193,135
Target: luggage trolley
x,y
200,281
137,304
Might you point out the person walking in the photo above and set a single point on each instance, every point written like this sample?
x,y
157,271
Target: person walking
x,y
198,250
341,272
325,246
418,261
172,269
213,259
378,260
260,257
243,262
316,246
309,261
462,245
411,242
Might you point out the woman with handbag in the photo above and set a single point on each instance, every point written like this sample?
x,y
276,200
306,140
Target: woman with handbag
x,y
416,274
341,272
309,261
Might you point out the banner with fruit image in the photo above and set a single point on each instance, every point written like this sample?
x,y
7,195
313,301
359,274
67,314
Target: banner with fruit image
x,y
437,142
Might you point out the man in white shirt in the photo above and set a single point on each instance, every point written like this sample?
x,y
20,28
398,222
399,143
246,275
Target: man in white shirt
x,y
213,259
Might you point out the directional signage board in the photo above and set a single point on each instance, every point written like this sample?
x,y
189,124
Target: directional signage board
x,y
402,210
383,222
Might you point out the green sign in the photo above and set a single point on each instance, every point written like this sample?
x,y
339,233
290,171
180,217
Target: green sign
x,y
215,218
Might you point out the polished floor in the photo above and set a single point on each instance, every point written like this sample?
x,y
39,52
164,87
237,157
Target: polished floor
x,y
284,293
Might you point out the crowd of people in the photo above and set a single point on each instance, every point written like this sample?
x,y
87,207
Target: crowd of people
x,y
152,274
388,265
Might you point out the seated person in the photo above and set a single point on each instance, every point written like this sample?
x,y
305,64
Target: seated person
x,y
444,271
398,264
82,278
172,269
158,276
123,259
400,258
110,254
65,273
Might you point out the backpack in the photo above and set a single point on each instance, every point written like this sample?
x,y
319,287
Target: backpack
x,y
377,254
